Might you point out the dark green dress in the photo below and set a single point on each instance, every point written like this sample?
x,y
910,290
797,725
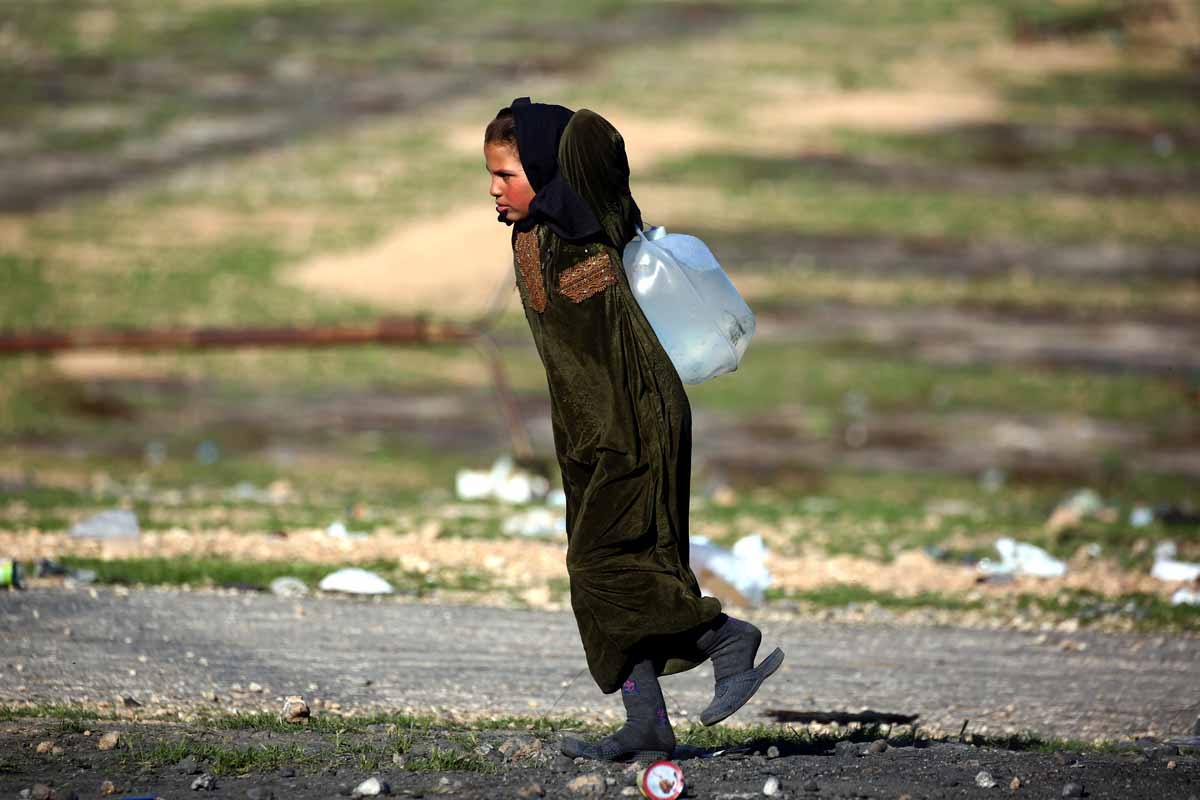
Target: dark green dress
x,y
622,428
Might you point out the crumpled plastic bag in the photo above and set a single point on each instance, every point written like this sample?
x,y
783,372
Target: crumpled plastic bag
x,y
1021,558
1168,568
700,319
353,580
739,575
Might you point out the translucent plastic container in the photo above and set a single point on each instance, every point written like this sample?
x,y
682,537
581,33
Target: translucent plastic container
x,y
702,322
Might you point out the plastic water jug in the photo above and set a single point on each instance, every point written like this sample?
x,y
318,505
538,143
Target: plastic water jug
x,y
702,322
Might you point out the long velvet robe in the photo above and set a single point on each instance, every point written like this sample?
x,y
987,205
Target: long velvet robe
x,y
622,426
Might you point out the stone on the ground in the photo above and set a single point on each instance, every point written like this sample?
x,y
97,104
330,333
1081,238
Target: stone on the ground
x,y
371,787
259,793
590,785
1073,790
108,741
1015,784
771,787
188,765
812,786
295,710
845,749
205,783
288,586
877,746
130,702
107,788
255,687
41,791
772,752
984,780
531,790
45,747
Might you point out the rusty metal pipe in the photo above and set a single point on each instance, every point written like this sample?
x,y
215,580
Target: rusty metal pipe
x,y
416,330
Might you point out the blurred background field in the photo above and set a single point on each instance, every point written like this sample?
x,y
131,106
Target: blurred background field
x,y
970,230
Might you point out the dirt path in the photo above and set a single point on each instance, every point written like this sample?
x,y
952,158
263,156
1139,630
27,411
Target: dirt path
x,y
168,649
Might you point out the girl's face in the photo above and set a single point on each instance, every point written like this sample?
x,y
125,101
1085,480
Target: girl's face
x,y
510,188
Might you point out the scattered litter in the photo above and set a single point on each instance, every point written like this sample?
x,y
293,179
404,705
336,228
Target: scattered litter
x,y
1185,597
1141,516
536,522
992,479
1074,510
287,586
114,524
208,453
662,780
739,575
337,530
1021,558
353,580
1167,568
505,482
10,573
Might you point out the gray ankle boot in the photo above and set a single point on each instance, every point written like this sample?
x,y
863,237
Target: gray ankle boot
x,y
646,735
732,645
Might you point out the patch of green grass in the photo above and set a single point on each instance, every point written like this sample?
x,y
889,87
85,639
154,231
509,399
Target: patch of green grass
x,y
778,193
1150,612
1033,148
846,594
822,377
1163,98
440,759
65,714
218,758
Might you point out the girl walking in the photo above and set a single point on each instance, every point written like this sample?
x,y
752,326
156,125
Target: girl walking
x,y
622,427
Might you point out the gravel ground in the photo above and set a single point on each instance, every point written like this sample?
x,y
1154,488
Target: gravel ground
x,y
174,649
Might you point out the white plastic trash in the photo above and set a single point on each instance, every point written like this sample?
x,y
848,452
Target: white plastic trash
x,y
353,580
115,524
535,522
744,568
1185,597
702,322
1021,558
1167,568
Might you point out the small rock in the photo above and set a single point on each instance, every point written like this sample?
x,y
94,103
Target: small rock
x,y
295,710
107,788
772,752
984,780
130,702
878,746
1062,759
45,747
371,787
590,785
204,783
41,791
1073,790
811,786
255,687
188,765
1171,764
771,787
532,790
108,741
846,749
56,751
630,791
287,772
259,793
1015,784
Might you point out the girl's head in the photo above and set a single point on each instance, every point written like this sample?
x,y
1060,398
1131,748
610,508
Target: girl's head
x,y
510,187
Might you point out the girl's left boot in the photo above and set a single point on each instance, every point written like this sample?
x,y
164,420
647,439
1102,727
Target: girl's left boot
x,y
646,734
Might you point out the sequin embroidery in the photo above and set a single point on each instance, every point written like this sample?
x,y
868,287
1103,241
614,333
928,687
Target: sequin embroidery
x,y
529,264
593,274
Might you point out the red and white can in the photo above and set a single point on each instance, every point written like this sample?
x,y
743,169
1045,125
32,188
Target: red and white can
x,y
662,780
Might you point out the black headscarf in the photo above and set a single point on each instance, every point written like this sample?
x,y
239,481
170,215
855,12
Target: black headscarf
x,y
539,128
